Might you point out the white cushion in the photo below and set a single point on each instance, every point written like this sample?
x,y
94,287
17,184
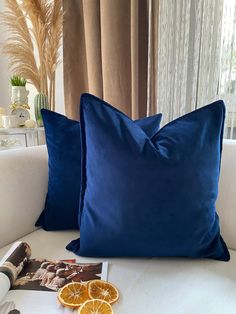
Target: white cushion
x,y
155,286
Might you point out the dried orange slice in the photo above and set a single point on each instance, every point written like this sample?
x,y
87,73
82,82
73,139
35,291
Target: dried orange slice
x,y
73,294
103,290
95,307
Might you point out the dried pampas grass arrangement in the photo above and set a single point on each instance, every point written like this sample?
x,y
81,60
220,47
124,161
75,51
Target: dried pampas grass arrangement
x,y
35,32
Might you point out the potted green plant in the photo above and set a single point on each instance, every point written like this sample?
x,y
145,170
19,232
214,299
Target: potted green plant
x,y
19,93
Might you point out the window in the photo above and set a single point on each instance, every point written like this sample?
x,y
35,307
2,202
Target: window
x,y
227,81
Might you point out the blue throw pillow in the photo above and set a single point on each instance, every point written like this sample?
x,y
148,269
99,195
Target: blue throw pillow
x,y
145,196
64,166
64,151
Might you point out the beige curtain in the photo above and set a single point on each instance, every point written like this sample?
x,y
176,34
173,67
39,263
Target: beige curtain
x,y
109,49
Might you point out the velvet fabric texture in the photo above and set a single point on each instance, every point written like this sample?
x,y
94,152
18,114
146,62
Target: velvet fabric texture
x,y
64,163
145,196
64,182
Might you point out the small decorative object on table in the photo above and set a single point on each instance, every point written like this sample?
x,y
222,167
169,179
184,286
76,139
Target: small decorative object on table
x,y
21,112
19,94
19,100
17,129
40,102
2,112
8,121
30,124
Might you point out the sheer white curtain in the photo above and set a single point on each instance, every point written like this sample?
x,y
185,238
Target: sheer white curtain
x,y
189,38
227,86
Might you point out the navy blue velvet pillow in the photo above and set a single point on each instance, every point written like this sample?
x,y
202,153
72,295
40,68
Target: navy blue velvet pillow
x,y
145,196
64,178
64,151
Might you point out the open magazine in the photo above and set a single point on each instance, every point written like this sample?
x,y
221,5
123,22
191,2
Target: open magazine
x,y
29,286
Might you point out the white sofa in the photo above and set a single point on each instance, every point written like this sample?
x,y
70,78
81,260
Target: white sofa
x,y
147,285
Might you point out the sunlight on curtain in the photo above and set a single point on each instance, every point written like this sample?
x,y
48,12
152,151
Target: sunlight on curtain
x,y
227,86
209,56
188,55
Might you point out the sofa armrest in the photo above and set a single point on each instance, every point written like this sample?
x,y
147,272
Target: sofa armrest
x,y
23,188
226,203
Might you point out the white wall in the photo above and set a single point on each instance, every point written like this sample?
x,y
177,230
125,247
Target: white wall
x,y
5,74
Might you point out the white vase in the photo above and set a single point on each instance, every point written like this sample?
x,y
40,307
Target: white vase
x,y
19,95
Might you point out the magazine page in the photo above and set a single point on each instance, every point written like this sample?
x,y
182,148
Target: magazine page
x,y
48,275
4,286
12,264
34,283
35,290
32,302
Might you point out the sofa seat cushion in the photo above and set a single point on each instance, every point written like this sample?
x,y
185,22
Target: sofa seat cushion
x,y
154,285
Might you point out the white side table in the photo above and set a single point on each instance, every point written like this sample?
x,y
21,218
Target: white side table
x,y
21,137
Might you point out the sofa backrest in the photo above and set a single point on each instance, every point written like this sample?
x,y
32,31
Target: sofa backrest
x,y
23,188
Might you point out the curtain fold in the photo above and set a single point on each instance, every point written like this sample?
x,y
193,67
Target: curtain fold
x,y
152,83
74,57
209,63
93,47
106,53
